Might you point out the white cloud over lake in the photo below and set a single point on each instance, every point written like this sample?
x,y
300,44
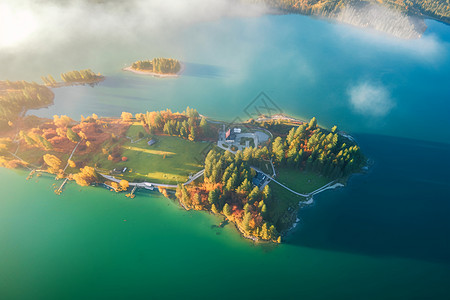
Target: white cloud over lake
x,y
51,22
370,99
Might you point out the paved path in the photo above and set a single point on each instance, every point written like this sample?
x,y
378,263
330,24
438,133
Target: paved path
x,y
331,185
71,154
131,140
23,161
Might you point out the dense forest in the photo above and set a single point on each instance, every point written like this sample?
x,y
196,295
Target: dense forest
x,y
158,65
436,9
227,189
311,148
19,96
187,125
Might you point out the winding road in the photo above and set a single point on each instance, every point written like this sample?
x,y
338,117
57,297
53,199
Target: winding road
x,y
331,185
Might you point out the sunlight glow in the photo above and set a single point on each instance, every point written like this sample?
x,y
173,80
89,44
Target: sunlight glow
x,y
15,25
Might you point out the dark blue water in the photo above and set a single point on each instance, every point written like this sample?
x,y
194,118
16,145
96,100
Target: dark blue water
x,y
399,209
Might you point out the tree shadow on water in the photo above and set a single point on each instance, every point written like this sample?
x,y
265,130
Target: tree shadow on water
x,y
203,70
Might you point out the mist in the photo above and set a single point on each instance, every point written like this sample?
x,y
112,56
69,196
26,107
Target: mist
x,y
368,99
41,34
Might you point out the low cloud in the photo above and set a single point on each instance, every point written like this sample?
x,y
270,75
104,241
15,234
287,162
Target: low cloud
x,y
48,23
370,100
428,49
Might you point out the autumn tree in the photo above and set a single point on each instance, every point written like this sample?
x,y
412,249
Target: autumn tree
x,y
204,127
53,163
86,176
312,123
72,164
124,184
62,121
214,209
213,196
72,135
227,210
126,116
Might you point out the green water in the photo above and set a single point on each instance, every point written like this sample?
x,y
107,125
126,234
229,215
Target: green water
x,y
78,246
385,236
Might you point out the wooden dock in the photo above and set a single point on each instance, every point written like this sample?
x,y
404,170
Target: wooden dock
x,y
133,190
31,174
59,190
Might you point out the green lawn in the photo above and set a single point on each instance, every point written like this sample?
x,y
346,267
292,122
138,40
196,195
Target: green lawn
x,y
34,156
169,161
133,131
302,182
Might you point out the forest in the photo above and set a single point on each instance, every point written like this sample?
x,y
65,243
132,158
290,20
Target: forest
x,y
82,76
187,125
435,9
19,96
158,65
311,148
227,189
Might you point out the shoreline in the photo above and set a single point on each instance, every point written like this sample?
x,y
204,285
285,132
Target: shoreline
x,y
154,74
76,83
279,117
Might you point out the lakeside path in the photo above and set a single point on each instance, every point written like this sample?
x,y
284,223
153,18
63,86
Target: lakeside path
x,y
331,185
71,154
154,74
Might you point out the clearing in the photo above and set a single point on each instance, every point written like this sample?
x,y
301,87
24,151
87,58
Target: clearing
x,y
170,160
301,181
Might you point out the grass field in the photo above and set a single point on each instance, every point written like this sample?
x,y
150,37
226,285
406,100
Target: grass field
x,y
34,156
281,210
302,182
170,160
133,131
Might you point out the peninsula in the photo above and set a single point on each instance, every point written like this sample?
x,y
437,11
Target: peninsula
x,y
75,77
158,67
255,174
400,18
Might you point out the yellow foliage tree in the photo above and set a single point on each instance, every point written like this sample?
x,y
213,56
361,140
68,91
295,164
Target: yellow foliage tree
x,y
87,176
82,135
124,184
52,162
126,116
61,131
115,186
72,164
62,121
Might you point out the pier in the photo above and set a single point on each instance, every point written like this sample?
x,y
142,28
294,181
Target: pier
x,y
59,190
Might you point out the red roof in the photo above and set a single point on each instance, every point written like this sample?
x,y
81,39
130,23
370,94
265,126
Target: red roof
x,y
228,133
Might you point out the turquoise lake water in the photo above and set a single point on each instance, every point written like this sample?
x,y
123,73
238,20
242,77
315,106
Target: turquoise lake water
x,y
384,236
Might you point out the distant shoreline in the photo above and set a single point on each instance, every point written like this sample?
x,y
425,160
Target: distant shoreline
x,y
92,82
154,74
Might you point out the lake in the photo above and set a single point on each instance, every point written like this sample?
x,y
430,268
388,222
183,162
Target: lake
x,y
385,235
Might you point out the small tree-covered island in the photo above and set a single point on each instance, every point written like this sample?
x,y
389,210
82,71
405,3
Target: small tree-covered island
x,y
158,67
256,174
